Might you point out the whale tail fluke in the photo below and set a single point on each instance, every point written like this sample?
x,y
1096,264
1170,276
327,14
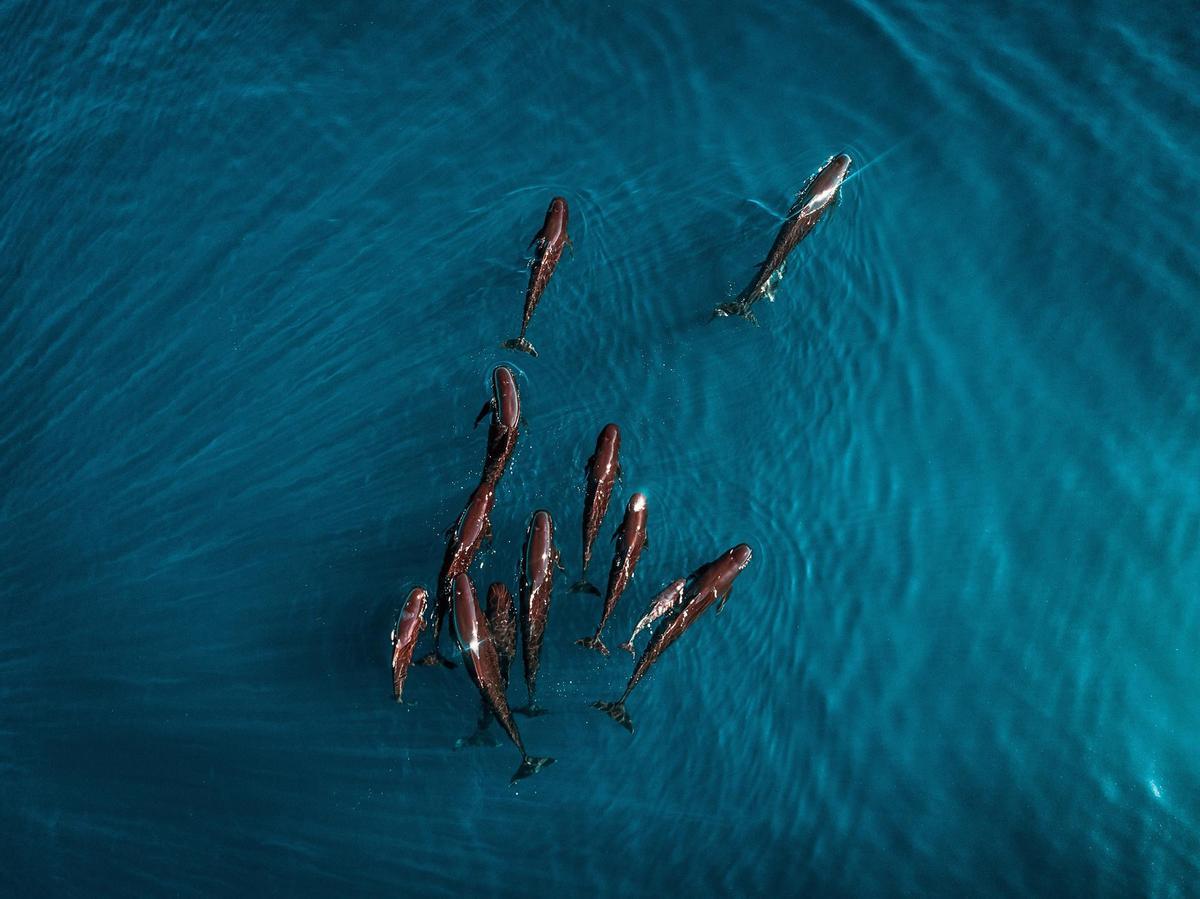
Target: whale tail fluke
x,y
533,710
520,343
737,307
628,647
593,642
531,765
616,711
583,585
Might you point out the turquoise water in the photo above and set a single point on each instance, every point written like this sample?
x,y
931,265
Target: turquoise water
x,y
255,265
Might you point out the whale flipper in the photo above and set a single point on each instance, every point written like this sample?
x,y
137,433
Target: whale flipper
x,y
584,586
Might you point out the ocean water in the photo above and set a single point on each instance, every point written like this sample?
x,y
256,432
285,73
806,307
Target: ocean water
x,y
256,261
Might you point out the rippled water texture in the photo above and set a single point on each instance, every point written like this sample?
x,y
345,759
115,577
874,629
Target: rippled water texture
x,y
255,266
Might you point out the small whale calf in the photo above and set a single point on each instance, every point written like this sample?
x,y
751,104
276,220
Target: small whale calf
x,y
404,637
502,620
811,204
483,664
547,246
664,602
708,584
602,469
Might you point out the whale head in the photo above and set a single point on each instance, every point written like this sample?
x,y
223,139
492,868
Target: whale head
x,y
505,395
741,555
824,187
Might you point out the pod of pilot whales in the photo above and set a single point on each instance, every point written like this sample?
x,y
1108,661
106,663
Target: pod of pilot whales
x,y
486,635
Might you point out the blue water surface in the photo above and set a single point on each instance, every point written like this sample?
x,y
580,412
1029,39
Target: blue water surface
x,y
256,261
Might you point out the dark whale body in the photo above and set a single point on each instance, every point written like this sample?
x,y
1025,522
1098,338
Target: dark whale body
x,y
811,204
548,246
708,584
482,662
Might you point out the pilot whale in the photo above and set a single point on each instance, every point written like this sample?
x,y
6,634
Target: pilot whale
x,y
548,246
504,406
631,540
463,539
482,662
602,470
404,637
536,575
810,206
708,584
